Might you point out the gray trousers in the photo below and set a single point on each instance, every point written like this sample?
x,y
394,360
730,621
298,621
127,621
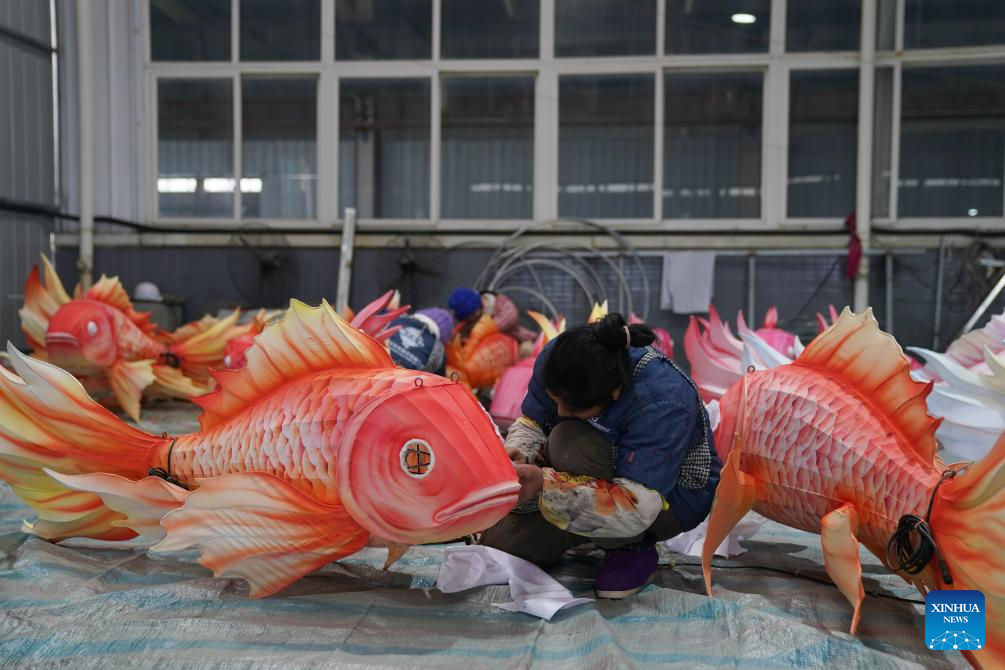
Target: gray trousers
x,y
577,448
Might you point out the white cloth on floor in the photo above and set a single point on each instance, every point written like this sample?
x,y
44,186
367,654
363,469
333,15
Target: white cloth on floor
x,y
691,542
686,286
533,590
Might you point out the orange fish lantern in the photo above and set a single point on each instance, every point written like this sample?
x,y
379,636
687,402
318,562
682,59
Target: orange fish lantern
x,y
840,443
479,361
99,337
317,446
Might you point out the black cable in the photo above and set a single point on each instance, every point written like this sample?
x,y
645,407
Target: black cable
x,y
820,286
911,558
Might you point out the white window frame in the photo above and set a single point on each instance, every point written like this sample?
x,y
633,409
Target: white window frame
x,y
775,63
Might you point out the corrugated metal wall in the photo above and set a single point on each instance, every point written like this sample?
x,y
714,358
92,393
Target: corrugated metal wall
x,y
27,158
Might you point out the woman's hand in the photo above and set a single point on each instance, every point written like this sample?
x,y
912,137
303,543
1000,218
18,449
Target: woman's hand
x,y
531,481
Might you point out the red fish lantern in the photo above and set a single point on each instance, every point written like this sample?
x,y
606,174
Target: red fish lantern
x,y
99,337
840,443
367,450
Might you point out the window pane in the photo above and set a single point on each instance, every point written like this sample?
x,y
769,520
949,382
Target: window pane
x,y
195,147
717,27
383,29
882,148
488,148
952,141
605,146
190,29
823,25
823,138
886,24
278,147
287,30
712,161
490,28
605,27
960,23
384,148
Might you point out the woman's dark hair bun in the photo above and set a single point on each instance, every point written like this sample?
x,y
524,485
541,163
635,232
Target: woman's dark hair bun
x,y
610,331
586,364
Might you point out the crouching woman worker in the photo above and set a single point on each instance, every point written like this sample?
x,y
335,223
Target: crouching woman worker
x,y
625,450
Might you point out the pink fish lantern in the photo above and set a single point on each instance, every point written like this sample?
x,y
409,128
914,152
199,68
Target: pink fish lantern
x,y
375,317
714,354
780,340
507,398
664,343
822,321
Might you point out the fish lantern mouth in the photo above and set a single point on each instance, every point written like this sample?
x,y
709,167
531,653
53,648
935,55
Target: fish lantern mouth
x,y
505,494
65,351
424,465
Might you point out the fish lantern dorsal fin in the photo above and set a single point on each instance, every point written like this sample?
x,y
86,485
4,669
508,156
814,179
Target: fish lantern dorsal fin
x,y
548,329
598,312
40,302
855,351
110,291
307,340
771,318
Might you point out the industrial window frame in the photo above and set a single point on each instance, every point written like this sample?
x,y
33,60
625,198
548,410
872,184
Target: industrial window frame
x,y
775,64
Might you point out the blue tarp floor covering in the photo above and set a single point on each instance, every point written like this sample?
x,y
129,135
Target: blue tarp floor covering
x,y
86,604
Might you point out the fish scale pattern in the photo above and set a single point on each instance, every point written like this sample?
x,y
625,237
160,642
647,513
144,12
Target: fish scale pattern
x,y
292,434
133,343
832,456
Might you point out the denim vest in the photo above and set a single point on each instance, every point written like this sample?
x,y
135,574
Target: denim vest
x,y
658,430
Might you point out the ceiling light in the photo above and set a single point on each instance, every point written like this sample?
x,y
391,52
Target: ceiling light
x,y
177,185
744,18
218,185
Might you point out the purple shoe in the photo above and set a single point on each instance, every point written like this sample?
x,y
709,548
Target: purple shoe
x,y
625,572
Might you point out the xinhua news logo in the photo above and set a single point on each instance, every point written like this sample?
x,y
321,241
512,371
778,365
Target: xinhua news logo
x,y
954,620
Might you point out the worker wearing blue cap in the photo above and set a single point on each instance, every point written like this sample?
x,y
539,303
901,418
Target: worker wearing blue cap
x,y
466,304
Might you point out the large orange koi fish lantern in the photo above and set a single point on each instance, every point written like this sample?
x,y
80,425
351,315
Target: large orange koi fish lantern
x,y
373,452
839,443
116,351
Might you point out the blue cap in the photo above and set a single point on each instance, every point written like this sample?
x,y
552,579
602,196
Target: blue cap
x,y
464,302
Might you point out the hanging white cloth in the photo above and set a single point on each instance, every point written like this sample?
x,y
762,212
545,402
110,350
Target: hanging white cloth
x,y
688,276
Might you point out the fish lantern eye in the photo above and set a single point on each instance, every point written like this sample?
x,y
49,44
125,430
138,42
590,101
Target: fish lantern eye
x,y
226,360
92,329
417,458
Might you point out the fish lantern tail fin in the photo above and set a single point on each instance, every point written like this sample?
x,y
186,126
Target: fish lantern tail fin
x,y
41,300
50,426
205,348
968,522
